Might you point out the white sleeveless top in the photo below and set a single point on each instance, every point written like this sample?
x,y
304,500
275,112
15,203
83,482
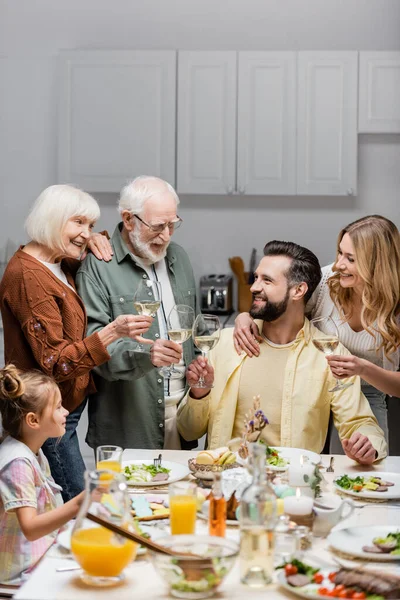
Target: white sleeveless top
x,y
359,343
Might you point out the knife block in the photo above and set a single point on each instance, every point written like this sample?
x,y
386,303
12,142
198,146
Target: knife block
x,y
244,295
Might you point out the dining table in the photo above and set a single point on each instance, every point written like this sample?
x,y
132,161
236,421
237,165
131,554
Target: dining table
x,y
47,582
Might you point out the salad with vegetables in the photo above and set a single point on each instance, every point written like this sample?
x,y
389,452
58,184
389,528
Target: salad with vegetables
x,y
363,484
274,458
385,545
146,473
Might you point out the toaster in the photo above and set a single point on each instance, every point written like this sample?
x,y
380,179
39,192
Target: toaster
x,y
216,294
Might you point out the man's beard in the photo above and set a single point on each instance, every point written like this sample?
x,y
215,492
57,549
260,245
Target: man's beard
x,y
142,249
271,310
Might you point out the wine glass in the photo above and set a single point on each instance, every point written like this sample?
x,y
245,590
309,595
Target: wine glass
x,y
179,324
329,343
147,301
206,332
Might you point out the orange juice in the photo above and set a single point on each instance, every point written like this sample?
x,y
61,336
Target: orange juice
x,y
100,552
182,514
109,465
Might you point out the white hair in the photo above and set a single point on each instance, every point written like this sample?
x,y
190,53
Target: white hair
x,y
53,208
140,189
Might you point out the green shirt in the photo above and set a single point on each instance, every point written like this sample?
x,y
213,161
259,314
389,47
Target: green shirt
x,y
128,408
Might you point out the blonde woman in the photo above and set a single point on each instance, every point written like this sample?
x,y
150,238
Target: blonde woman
x,y
361,293
45,321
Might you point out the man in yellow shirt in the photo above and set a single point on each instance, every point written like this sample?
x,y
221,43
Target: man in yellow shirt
x,y
291,375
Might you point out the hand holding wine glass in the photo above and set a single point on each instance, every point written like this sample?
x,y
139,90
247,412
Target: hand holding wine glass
x,y
147,301
206,332
328,343
180,322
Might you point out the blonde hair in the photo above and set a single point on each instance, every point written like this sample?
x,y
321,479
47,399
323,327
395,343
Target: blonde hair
x,y
22,393
53,208
376,242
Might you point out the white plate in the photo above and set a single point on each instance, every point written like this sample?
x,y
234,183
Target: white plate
x,y
292,455
351,541
177,472
393,492
64,538
309,590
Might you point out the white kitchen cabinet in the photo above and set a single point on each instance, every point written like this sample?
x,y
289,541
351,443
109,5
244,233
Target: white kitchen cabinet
x,y
379,92
206,162
327,123
116,117
266,140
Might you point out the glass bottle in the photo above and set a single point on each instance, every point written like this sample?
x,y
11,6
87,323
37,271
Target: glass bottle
x,y
257,521
101,553
217,511
285,541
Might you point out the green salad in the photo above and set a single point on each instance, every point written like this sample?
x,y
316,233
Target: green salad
x,y
274,459
143,473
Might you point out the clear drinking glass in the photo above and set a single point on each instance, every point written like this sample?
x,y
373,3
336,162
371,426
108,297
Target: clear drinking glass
x,y
147,301
328,344
206,332
102,554
109,458
180,322
182,507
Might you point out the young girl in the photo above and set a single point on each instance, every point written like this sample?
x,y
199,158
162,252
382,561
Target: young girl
x,y
31,506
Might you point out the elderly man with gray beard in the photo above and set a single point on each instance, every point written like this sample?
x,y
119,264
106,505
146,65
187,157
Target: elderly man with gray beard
x,y
135,407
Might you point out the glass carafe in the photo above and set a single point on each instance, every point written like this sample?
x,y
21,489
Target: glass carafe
x,y
101,553
258,513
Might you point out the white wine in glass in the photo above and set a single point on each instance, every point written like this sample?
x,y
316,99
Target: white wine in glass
x,y
147,301
206,332
179,323
328,344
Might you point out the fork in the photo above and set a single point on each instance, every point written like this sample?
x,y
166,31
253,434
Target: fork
x,y
157,461
330,469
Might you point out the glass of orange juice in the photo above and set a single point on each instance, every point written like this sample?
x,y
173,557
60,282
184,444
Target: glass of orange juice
x,y
109,458
102,554
182,507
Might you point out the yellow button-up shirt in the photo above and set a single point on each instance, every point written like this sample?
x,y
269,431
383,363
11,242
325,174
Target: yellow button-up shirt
x,y
306,399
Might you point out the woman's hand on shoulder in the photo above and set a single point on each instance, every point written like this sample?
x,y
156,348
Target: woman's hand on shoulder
x,y
346,366
246,337
100,246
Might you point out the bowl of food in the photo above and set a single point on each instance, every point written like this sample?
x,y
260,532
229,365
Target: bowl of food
x,y
207,462
198,566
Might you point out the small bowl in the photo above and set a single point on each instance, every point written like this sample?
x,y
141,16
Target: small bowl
x,y
206,472
198,576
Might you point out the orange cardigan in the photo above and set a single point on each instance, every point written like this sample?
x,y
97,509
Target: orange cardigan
x,y
44,325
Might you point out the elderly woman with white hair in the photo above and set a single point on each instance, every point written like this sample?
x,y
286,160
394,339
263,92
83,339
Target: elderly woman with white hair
x,y
45,321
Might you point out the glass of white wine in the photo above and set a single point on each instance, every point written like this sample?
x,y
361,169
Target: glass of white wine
x,y
206,332
329,343
147,301
179,323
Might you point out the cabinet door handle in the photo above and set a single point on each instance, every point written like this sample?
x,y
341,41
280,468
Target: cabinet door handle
x,y
350,192
241,189
229,190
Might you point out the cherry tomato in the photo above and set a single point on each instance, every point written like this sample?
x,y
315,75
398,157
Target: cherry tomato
x,y
340,587
323,591
290,570
358,596
357,487
343,594
332,576
318,577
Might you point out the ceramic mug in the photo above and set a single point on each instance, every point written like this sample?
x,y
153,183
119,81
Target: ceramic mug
x,y
329,511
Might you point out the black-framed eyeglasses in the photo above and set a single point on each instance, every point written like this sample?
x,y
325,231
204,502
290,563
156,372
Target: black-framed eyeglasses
x,y
172,225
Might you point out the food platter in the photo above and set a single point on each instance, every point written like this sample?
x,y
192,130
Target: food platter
x,y
177,472
307,591
352,540
393,492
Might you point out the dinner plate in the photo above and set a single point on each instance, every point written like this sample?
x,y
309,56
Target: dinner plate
x,y
64,537
177,472
310,590
292,455
351,541
393,492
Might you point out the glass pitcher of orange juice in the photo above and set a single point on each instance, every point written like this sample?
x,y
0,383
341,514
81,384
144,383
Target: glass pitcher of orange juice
x,y
101,553
182,507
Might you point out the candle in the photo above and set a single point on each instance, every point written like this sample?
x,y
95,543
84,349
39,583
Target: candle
x,y
298,504
300,474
